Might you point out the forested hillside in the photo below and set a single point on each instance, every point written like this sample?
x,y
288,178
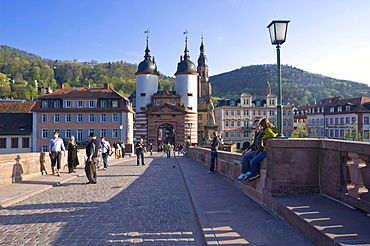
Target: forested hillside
x,y
299,86
21,73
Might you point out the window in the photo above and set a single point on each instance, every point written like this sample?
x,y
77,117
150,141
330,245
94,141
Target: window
x,y
348,108
103,132
366,120
173,102
336,121
342,121
57,104
14,142
246,101
68,104
259,112
157,102
226,134
44,133
68,118
79,137
103,104
238,123
331,121
80,104
142,94
114,117
80,118
91,104
25,142
190,94
56,118
200,116
68,133
114,133
331,109
339,108
2,143
232,134
366,134
227,123
114,103
245,112
232,103
91,117
353,119
253,112
232,112
347,120
232,123
238,112
44,104
226,112
238,134
44,148
272,102
44,118
103,118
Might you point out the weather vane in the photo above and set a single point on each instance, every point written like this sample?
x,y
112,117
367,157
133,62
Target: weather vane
x,y
147,34
186,37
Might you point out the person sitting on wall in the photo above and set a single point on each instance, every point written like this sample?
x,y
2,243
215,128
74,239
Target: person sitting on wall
x,y
248,153
270,131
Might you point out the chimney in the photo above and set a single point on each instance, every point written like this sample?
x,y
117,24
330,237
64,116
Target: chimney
x,y
106,86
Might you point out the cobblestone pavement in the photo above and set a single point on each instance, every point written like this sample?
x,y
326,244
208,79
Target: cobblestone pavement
x,y
141,205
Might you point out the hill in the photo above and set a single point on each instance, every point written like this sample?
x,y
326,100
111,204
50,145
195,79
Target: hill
x,y
22,73
299,86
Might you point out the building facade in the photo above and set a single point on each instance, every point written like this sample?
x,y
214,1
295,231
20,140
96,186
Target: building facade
x,y
235,117
80,111
166,116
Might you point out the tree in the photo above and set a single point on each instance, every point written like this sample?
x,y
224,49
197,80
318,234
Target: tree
x,y
300,132
5,88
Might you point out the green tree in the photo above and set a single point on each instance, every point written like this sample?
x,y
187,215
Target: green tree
x,y
5,88
300,132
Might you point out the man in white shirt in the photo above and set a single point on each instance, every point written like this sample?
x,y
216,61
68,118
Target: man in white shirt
x,y
105,151
56,146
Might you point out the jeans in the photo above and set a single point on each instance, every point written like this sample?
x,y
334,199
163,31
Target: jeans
x,y
213,158
140,153
105,159
246,162
255,162
168,152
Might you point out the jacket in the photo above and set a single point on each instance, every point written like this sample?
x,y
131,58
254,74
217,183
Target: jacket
x,y
270,132
215,143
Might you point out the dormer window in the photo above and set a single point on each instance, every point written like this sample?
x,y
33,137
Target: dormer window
x,y
103,104
232,103
114,103
45,104
272,102
348,108
331,109
339,108
57,104
68,104
22,127
80,104
91,104
246,102
1,126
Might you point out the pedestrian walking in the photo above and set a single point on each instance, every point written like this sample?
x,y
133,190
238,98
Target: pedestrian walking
x,y
151,148
117,149
123,149
92,150
168,149
140,147
105,149
56,146
72,155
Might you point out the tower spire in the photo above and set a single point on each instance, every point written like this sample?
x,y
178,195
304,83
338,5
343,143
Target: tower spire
x,y
147,50
186,51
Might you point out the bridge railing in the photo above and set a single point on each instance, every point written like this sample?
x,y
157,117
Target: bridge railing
x,y
337,168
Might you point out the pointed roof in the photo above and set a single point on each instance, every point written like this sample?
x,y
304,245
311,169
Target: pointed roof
x,y
186,66
147,66
202,60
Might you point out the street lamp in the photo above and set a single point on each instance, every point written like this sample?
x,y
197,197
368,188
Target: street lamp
x,y
278,30
121,131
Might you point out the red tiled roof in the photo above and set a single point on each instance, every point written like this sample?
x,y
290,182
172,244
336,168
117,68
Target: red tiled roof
x,y
16,107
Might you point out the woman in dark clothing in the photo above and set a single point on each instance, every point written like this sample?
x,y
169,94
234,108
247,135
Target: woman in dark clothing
x,y
214,146
72,155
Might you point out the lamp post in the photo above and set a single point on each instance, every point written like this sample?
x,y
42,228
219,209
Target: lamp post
x,y
278,30
121,130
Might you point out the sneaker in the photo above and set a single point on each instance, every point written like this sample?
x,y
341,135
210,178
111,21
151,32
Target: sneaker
x,y
241,176
257,175
247,175
209,172
104,169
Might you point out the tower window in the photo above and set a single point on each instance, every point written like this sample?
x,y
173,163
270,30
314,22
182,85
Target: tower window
x,y
142,108
190,94
142,94
190,108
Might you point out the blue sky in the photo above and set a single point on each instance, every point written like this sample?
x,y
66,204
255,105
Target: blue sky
x,y
328,37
